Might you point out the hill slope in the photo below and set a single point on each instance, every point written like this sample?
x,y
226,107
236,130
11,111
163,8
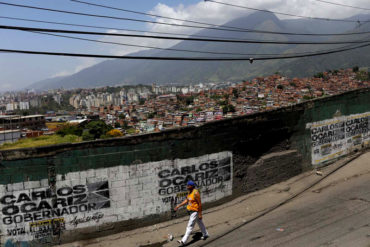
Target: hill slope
x,y
118,72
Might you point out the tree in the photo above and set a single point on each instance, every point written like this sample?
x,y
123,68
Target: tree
x,y
235,93
98,128
114,133
70,129
131,131
355,69
86,136
231,108
151,115
117,125
319,75
281,87
189,100
228,108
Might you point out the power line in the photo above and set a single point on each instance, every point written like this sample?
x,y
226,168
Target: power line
x,y
154,22
179,50
343,5
179,34
152,15
119,18
251,59
165,17
122,29
182,38
150,47
286,14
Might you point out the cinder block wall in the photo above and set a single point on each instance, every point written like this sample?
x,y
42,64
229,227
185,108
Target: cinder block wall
x,y
67,192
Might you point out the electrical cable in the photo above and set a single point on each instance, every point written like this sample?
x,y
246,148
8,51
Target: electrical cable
x,y
286,14
251,59
152,15
144,21
178,50
340,4
151,47
122,29
161,16
181,38
117,18
180,34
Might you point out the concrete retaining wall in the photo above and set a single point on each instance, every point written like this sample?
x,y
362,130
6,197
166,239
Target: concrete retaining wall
x,y
67,192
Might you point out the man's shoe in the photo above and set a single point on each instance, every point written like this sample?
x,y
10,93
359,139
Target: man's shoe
x,y
204,237
181,243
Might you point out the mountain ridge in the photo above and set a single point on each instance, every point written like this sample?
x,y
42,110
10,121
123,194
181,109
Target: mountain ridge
x,y
123,72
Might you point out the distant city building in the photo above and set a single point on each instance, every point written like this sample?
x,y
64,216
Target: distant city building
x,y
9,136
11,106
9,122
24,105
57,98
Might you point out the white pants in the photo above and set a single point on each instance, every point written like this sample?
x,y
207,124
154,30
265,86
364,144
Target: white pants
x,y
194,218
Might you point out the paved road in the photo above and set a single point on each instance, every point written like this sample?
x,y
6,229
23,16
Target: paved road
x,y
334,213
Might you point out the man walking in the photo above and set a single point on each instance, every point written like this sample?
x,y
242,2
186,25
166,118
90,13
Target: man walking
x,y
194,208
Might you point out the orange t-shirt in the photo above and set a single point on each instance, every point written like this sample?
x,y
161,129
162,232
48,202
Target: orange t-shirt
x,y
192,203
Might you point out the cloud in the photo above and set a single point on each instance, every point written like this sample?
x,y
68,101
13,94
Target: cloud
x,y
83,64
218,14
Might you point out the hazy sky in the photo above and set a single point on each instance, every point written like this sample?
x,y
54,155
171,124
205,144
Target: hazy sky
x,y
17,71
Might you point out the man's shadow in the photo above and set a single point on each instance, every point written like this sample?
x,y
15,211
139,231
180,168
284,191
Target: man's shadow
x,y
196,237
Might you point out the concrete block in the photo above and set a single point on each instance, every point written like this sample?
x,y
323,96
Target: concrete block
x,y
65,183
124,216
59,177
132,195
138,188
132,181
137,202
146,180
215,156
83,174
2,189
148,201
119,211
125,175
90,173
117,194
32,185
109,219
101,173
123,169
122,204
118,184
112,171
80,181
15,187
44,183
147,193
149,186
108,211
72,175
95,179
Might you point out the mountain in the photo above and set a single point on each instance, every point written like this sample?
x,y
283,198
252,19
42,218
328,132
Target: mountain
x,y
47,83
124,72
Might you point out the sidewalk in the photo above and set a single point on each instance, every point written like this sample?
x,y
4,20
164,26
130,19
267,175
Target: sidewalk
x,y
223,218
